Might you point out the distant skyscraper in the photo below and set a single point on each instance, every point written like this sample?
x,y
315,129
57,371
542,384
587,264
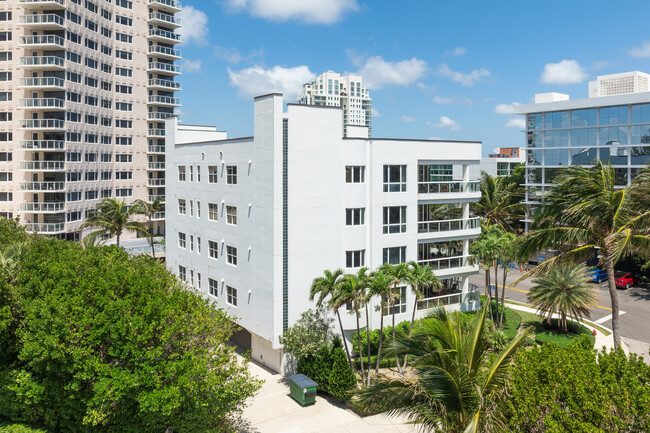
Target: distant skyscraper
x,y
85,87
348,92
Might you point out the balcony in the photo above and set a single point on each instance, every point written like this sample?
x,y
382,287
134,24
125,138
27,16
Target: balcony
x,y
48,207
450,190
42,124
453,225
42,165
164,52
49,228
164,36
44,83
168,101
156,133
42,42
156,166
156,182
164,19
43,104
43,4
153,198
42,22
43,145
157,115
159,215
156,149
168,68
42,62
450,299
42,186
172,6
169,85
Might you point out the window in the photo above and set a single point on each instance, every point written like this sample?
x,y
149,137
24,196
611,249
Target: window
x,y
394,219
400,303
191,242
213,249
355,174
181,173
6,177
182,273
231,255
213,173
181,240
198,209
191,173
6,196
91,195
192,277
213,211
355,259
123,20
231,296
191,208
231,215
182,206
198,173
394,255
213,287
231,175
198,244
355,217
394,178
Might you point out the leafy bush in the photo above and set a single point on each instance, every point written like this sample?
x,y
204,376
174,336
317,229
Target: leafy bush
x,y
309,334
341,377
8,427
317,367
545,333
330,369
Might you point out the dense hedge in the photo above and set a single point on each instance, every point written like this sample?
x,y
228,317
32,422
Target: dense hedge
x,y
545,333
330,369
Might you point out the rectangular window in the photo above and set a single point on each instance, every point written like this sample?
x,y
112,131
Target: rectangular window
x,y
231,255
213,174
213,287
191,242
198,173
181,206
213,249
399,306
231,174
213,211
181,240
355,174
355,259
91,195
181,173
198,209
6,196
231,215
191,208
191,173
394,255
192,277
355,216
394,219
231,296
182,273
6,177
394,178
198,244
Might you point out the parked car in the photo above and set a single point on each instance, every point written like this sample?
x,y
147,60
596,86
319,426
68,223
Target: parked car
x,y
623,279
597,275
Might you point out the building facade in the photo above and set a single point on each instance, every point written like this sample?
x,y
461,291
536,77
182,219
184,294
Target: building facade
x,y
252,221
501,163
619,84
85,87
347,92
561,132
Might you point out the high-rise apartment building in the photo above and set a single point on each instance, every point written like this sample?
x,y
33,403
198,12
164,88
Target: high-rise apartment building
x,y
348,92
252,221
619,84
85,87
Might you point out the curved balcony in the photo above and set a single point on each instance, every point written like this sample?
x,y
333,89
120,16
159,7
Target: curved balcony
x,y
453,225
42,124
42,165
42,186
168,68
43,145
172,6
42,62
450,190
164,100
42,22
44,83
42,42
43,104
169,85
156,133
164,52
164,36
50,228
47,207
164,19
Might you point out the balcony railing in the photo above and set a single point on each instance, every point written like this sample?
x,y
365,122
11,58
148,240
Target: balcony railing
x,y
156,132
41,19
45,227
157,115
156,165
443,187
42,207
42,144
172,4
41,124
169,84
159,215
447,225
42,82
42,103
156,182
167,67
165,34
153,198
42,186
156,149
166,51
42,40
42,165
450,299
166,100
28,61
446,262
164,17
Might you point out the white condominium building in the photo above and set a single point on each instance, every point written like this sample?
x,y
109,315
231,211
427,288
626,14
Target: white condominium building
x,y
619,84
348,92
252,221
85,86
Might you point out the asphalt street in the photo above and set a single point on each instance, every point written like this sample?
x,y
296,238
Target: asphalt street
x,y
634,306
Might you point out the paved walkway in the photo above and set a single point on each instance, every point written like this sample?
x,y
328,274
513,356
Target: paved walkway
x,y
272,410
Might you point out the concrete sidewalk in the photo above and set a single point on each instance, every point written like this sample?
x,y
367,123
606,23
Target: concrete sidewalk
x,y
272,410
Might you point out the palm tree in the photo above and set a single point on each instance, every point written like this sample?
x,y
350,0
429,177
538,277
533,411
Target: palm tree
x,y
564,289
587,213
113,217
455,381
500,202
352,291
399,274
149,210
486,249
381,284
327,286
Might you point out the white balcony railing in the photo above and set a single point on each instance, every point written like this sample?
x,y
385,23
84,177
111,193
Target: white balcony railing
x,y
41,19
42,165
42,40
167,67
157,49
157,115
164,17
450,299
446,262
42,207
448,225
42,82
173,4
156,165
164,100
42,103
165,34
42,144
28,61
156,182
156,149
42,186
156,132
455,186
169,84
45,227
41,124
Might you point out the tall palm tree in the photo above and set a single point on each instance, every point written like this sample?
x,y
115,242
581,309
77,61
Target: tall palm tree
x,y
455,381
586,213
564,289
399,274
113,217
486,249
327,286
352,291
381,284
500,202
149,210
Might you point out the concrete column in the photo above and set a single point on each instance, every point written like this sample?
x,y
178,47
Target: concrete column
x,y
465,172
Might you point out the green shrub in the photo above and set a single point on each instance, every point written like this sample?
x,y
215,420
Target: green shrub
x,y
317,367
8,427
341,377
545,333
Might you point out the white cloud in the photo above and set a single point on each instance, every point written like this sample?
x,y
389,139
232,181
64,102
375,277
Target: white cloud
x,y
458,51
516,122
230,55
195,25
374,112
506,108
564,72
407,119
464,79
446,122
377,72
255,81
309,11
642,51
452,100
190,66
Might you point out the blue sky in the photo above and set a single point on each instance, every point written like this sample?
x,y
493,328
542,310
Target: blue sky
x,y
435,69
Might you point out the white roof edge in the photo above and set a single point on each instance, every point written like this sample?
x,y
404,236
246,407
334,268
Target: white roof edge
x,y
601,101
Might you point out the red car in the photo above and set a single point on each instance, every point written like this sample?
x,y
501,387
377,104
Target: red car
x,y
623,279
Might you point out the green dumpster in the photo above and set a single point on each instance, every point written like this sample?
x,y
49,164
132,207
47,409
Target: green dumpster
x,y
303,389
